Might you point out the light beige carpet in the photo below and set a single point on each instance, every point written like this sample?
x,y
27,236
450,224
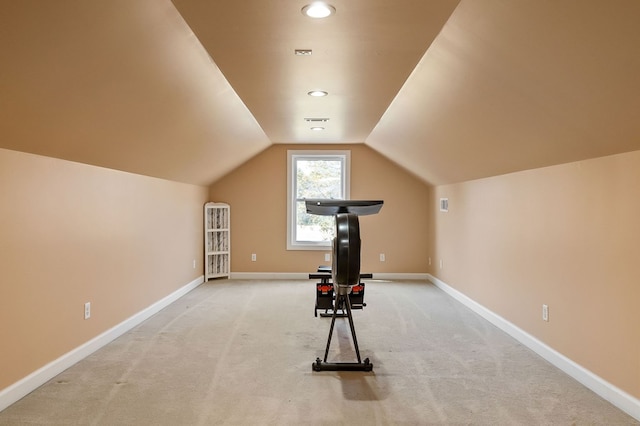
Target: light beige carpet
x,y
240,353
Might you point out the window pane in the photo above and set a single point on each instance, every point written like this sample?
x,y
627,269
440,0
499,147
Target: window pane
x,y
314,174
318,179
311,227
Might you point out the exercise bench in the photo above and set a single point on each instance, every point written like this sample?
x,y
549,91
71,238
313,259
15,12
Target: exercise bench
x,y
345,270
325,295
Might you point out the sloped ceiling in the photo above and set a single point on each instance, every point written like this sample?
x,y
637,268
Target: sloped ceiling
x,y
362,56
190,89
515,85
123,84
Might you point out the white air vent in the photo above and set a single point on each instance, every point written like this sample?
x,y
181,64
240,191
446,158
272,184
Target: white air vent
x,y
444,204
316,120
303,52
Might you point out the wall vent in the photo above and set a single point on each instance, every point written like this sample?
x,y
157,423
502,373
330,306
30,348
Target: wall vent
x,y
444,204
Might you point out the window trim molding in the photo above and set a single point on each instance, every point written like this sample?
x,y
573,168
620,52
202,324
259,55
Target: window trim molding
x,y
293,154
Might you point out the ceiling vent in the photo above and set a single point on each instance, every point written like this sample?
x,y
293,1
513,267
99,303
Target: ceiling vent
x,y
303,52
316,120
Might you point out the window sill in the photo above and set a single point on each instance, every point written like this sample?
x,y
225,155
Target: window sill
x,y
304,247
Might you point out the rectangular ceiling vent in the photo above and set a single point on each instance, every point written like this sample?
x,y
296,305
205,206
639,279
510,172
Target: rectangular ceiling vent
x,y
316,120
444,204
303,52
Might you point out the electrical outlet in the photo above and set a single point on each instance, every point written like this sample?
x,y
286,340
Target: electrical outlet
x,y
194,264
87,310
253,257
545,312
327,257
382,258
429,260
441,264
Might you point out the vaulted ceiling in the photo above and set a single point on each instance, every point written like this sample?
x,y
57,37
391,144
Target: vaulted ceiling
x,y
450,90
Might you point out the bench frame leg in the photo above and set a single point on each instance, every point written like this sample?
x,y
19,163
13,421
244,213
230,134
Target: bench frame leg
x,y
323,365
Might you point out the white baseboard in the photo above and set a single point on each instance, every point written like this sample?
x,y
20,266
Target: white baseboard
x,y
604,389
305,276
39,377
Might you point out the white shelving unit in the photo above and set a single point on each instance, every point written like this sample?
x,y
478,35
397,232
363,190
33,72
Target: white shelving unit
x,y
217,241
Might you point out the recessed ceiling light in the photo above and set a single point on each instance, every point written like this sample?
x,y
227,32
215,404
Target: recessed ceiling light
x,y
317,129
318,9
317,93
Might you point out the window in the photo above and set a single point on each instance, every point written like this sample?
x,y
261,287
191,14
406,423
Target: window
x,y
314,174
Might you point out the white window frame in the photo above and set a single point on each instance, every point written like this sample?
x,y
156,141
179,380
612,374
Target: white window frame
x,y
292,157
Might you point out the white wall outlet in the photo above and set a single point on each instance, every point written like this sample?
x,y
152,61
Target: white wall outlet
x,y
194,264
382,257
545,312
327,257
253,257
87,310
441,264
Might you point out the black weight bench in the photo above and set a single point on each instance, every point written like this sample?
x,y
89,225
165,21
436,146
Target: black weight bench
x,y
325,295
345,271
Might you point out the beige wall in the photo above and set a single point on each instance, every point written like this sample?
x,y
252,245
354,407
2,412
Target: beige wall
x,y
72,233
567,236
257,193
